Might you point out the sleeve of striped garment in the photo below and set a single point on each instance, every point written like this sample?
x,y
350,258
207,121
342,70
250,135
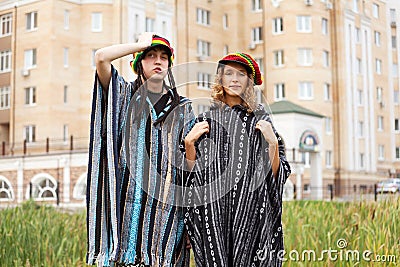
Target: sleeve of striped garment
x,y
109,108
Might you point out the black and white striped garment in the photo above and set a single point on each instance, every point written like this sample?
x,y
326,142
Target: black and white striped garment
x,y
235,218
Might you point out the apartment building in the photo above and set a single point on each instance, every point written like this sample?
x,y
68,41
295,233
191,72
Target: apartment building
x,y
330,80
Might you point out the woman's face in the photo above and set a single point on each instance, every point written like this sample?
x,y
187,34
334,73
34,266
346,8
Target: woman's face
x,y
234,79
155,63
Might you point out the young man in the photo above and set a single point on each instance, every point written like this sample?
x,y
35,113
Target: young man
x,y
133,157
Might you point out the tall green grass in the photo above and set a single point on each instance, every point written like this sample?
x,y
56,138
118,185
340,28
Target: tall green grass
x,y
33,235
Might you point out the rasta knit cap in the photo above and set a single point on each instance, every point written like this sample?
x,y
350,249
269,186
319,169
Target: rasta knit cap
x,y
247,61
156,41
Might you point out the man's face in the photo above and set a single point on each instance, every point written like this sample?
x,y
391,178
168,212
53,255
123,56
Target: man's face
x,y
155,63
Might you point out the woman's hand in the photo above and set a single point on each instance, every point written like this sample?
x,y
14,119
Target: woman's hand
x,y
266,129
198,130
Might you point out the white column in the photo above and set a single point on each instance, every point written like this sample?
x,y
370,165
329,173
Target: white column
x,y
20,181
316,176
65,163
299,173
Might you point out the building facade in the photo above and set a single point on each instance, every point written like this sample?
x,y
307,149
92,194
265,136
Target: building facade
x,y
330,70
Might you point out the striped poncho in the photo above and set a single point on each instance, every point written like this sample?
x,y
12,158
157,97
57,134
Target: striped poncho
x,y
235,218
132,171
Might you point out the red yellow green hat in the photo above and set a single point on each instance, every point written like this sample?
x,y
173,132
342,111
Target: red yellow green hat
x,y
247,61
157,40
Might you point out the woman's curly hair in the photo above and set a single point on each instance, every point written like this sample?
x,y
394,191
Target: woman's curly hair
x,y
248,96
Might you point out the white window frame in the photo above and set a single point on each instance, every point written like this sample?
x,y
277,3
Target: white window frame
x,y
30,58
303,24
226,49
66,57
5,97
65,94
260,62
203,80
358,35
277,25
203,48
380,124
66,19
6,188
360,97
97,22
396,125
305,57
328,159
306,90
5,61
149,24
355,6
324,26
30,96
362,161
379,94
328,125
279,91
225,21
395,70
29,133
397,153
31,21
378,66
6,25
65,133
375,10
359,66
327,92
381,152
279,58
396,97
256,5
377,38
203,16
360,129
256,35
325,58
93,59
394,41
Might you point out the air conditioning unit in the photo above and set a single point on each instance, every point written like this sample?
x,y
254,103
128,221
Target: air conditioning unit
x,y
329,5
252,46
25,72
308,2
201,57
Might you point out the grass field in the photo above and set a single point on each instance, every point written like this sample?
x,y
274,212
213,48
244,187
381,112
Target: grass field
x,y
316,234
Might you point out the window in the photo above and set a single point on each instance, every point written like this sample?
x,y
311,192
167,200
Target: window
x,y
380,123
164,28
324,26
277,25
393,15
5,61
327,92
304,24
203,80
328,158
397,153
149,25
260,63
29,133
279,90
66,19
379,94
395,69
396,125
381,152
97,22
256,34
378,66
375,10
66,56
396,97
6,193
30,58
203,48
358,35
256,5
6,24
225,21
360,126
203,16
394,42
360,97
226,50
31,21
325,58
362,165
93,58
65,132
377,38
358,66
305,159
355,5
328,125
65,94
44,188
279,59
30,95
304,57
306,90
4,97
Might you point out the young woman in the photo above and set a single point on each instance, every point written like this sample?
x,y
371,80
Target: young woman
x,y
131,216
239,169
